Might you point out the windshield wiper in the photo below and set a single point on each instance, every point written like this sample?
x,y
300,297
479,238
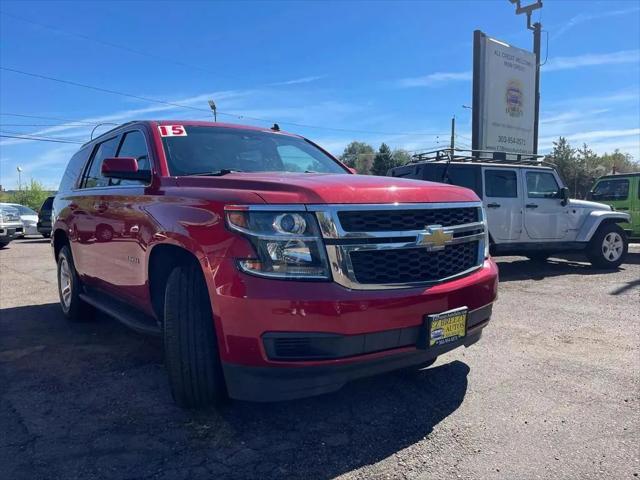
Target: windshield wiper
x,y
217,173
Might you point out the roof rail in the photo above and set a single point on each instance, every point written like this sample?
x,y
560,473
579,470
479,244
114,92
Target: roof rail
x,y
480,156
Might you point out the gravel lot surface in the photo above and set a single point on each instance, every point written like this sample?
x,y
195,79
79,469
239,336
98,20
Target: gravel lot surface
x,y
551,391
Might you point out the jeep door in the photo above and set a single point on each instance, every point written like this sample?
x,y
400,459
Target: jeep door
x,y
545,218
618,193
503,203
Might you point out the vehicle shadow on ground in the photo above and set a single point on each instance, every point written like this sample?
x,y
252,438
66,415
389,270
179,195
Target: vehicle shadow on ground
x,y
92,396
521,268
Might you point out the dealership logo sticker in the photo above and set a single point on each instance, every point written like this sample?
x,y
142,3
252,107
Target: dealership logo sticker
x,y
513,98
172,131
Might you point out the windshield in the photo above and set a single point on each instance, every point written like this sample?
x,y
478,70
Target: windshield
x,y
25,210
214,149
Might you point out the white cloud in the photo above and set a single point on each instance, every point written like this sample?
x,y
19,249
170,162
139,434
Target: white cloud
x,y
592,59
435,79
586,17
554,64
297,81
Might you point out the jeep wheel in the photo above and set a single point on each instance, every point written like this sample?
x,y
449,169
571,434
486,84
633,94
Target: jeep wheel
x,y
608,247
190,345
69,288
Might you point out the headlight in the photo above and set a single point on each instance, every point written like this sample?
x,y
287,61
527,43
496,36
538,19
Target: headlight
x,y
288,245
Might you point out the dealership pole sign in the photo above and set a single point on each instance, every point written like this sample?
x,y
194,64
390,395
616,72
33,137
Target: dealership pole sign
x,y
503,96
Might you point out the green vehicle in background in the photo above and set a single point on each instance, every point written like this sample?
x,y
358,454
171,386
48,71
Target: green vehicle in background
x,y
621,192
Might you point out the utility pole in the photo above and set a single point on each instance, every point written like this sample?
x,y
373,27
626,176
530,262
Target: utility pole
x,y
214,109
453,133
537,33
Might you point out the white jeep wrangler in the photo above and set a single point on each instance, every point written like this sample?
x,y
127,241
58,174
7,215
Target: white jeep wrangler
x,y
529,211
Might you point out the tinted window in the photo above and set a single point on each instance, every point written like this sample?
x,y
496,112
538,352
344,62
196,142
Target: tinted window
x,y
133,145
501,183
462,175
211,149
613,189
74,170
93,177
542,185
47,204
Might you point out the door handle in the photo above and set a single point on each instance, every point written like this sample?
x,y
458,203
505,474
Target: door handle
x,y
101,207
531,205
493,205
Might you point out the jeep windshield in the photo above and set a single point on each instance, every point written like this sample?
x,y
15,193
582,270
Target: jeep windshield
x,y
220,150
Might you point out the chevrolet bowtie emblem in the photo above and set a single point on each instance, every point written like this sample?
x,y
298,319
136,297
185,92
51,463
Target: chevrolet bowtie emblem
x,y
435,237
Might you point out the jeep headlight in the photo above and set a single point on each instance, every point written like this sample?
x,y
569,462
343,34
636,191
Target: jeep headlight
x,y
288,244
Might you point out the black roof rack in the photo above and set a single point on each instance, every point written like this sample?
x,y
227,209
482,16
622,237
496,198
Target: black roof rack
x,y
480,156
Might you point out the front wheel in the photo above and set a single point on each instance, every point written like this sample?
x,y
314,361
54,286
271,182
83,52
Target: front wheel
x,y
608,247
190,345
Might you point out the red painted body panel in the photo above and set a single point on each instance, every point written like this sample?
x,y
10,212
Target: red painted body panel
x,y
113,230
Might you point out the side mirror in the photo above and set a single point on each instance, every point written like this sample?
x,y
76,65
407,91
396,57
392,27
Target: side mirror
x,y
564,195
124,168
353,170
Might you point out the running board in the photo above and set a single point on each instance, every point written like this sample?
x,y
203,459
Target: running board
x,y
126,314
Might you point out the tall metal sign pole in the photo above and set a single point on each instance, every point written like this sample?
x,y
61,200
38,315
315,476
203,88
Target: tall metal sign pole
x,y
537,33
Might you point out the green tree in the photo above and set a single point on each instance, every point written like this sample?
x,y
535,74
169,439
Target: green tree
x,y
32,195
358,155
401,157
383,160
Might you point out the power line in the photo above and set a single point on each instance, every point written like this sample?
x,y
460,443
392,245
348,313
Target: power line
x,y
45,118
70,124
38,139
189,107
111,44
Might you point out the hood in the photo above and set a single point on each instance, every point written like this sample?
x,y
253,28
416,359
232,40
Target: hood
x,y
316,188
589,205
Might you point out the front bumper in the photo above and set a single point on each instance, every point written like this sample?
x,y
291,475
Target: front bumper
x,y
271,384
378,326
8,232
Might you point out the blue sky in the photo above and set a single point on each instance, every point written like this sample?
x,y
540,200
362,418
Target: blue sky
x,y
369,71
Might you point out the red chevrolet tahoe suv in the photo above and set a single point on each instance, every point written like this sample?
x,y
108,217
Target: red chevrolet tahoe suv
x,y
270,270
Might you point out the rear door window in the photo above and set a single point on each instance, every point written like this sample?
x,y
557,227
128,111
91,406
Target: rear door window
x,y
500,184
93,177
612,189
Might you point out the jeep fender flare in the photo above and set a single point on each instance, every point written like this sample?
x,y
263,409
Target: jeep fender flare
x,y
597,218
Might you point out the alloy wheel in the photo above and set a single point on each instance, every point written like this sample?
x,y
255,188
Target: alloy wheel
x,y
612,246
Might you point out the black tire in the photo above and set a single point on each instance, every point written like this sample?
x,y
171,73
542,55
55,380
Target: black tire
x,y
608,247
190,343
3,244
46,235
538,257
73,307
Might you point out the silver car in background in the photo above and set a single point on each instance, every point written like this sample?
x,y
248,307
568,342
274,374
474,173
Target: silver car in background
x,y
10,224
28,217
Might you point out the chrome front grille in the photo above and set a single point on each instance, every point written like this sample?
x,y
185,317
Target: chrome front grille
x,y
385,221
389,246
